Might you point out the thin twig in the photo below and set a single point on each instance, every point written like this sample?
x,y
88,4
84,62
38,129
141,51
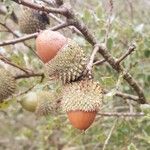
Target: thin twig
x,y
41,7
14,41
108,25
128,52
60,26
10,30
70,27
49,2
5,60
33,35
90,64
123,95
26,91
127,96
109,135
29,75
16,35
116,114
99,62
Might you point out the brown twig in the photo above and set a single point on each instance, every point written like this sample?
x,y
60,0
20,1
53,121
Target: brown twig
x,y
41,7
108,25
90,64
4,31
128,52
14,41
11,31
70,27
16,35
33,35
5,60
116,114
29,75
60,26
49,2
109,135
99,62
123,95
31,87
127,96
25,92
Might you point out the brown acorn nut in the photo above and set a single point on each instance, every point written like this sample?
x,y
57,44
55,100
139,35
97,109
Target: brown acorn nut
x,y
81,119
48,43
31,21
7,84
69,64
29,101
81,100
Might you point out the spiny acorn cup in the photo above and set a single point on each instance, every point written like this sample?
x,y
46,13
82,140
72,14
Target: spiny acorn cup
x,y
7,84
69,64
81,100
48,103
31,21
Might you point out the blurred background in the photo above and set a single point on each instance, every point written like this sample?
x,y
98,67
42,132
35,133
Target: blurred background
x,y
129,22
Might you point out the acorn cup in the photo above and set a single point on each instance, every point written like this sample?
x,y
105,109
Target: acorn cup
x,y
7,84
48,103
69,64
82,100
31,21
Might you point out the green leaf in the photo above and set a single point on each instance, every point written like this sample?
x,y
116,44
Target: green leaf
x,y
87,15
108,81
109,43
147,53
4,105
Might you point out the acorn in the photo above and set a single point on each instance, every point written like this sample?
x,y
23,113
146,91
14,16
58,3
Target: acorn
x,y
29,101
42,103
48,102
69,64
82,100
31,21
7,84
48,43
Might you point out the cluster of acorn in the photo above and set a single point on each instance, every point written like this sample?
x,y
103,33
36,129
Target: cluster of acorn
x,y
65,62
